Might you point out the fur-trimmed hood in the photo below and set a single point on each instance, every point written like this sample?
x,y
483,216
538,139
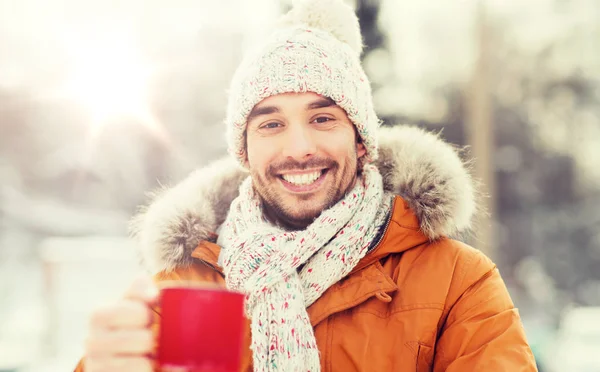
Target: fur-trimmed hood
x,y
424,170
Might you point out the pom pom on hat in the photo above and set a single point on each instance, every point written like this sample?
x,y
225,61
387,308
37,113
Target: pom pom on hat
x,y
334,16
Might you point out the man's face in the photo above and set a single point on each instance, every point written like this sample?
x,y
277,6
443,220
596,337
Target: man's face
x,y
302,155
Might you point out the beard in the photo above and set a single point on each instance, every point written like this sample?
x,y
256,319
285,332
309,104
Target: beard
x,y
296,212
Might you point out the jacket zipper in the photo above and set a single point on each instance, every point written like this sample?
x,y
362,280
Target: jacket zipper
x,y
212,267
385,229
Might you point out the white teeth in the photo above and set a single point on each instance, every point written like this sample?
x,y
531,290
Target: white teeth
x,y
302,179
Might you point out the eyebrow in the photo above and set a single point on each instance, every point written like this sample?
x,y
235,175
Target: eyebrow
x,y
268,110
259,111
321,103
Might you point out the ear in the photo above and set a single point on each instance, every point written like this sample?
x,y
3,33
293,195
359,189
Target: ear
x,y
246,163
361,150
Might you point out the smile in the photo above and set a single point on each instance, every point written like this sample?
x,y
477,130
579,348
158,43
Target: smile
x,y
303,182
302,179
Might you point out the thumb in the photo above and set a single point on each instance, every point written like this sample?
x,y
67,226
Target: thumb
x,y
142,289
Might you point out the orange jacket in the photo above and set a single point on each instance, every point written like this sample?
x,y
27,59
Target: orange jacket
x,y
409,305
418,301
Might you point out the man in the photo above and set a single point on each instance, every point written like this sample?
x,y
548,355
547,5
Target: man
x,y
343,239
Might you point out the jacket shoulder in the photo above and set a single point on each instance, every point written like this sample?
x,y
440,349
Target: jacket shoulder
x,y
202,266
439,272
197,271
470,264
466,265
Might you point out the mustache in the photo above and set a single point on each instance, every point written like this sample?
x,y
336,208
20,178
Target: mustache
x,y
294,165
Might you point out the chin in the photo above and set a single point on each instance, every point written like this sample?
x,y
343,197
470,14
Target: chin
x,y
305,214
299,211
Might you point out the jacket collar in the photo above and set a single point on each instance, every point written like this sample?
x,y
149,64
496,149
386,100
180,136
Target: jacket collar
x,y
402,233
437,199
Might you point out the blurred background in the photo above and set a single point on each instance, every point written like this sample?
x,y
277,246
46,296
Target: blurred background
x,y
100,101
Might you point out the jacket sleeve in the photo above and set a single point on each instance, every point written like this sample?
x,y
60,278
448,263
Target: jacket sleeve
x,y
198,272
482,330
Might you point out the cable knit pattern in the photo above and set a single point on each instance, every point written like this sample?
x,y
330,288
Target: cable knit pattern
x,y
317,49
262,261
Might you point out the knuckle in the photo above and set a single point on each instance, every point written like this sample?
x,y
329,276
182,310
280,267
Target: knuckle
x,y
96,343
147,340
115,342
99,317
91,346
136,307
92,364
138,314
118,364
137,342
142,364
141,289
124,314
133,364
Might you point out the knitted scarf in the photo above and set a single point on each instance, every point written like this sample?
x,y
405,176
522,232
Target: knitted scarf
x,y
262,261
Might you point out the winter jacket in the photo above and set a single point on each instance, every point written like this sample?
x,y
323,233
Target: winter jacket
x,y
418,301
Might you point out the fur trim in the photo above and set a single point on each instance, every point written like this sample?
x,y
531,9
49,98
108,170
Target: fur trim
x,y
427,172
177,219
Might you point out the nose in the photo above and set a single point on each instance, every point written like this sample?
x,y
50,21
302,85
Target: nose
x,y
300,143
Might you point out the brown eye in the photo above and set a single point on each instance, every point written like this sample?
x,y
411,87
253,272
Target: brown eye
x,y
322,120
270,126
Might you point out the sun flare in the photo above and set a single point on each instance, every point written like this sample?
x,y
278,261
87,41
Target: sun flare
x,y
108,77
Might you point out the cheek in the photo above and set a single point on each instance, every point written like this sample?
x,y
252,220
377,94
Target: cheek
x,y
259,155
342,145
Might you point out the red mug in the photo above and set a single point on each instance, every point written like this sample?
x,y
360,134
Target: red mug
x,y
201,329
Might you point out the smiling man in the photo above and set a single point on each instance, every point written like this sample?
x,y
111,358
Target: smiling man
x,y
338,235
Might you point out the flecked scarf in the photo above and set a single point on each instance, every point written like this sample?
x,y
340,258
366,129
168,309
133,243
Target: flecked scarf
x,y
263,261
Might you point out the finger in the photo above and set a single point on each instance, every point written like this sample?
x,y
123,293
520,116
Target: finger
x,y
118,364
123,314
142,289
124,342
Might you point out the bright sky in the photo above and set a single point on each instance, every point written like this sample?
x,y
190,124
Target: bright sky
x,y
35,35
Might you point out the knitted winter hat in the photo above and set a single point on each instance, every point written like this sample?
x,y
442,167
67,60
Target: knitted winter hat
x,y
315,48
